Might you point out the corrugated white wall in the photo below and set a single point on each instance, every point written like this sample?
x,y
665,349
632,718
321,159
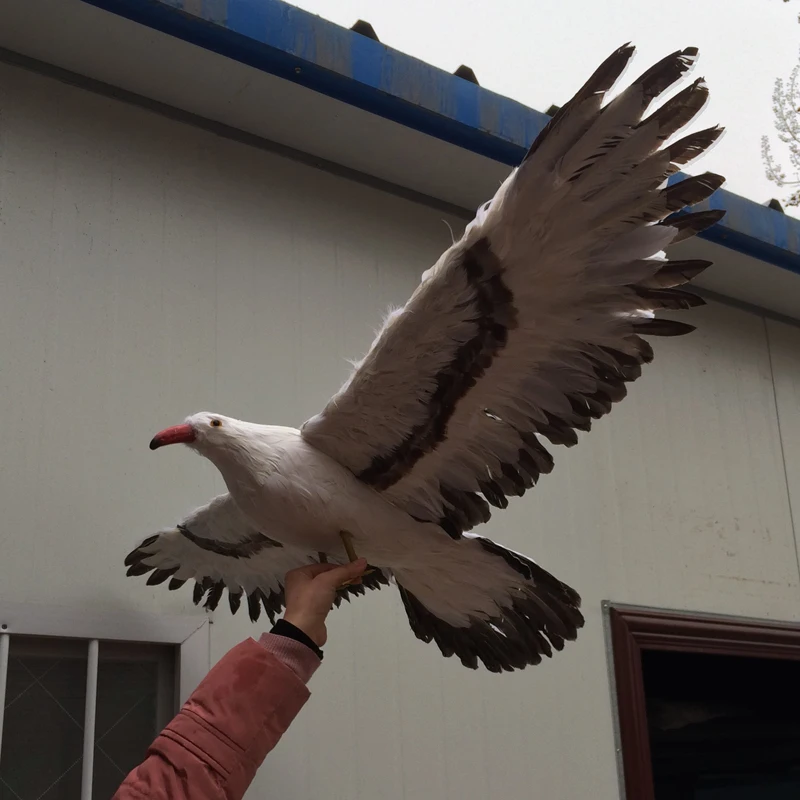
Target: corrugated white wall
x,y
150,270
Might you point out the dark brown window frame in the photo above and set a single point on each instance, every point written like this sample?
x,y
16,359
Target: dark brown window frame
x,y
634,630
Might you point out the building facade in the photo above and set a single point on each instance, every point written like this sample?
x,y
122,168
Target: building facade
x,y
202,232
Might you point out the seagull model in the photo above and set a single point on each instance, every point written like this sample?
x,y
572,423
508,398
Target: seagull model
x,y
526,329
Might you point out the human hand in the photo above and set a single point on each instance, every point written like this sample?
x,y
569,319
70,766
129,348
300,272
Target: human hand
x,y
310,592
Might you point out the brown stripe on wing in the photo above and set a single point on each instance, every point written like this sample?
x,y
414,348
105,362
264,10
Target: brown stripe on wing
x,y
495,315
610,369
211,591
243,549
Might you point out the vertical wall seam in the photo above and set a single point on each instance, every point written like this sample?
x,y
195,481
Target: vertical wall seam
x,y
783,449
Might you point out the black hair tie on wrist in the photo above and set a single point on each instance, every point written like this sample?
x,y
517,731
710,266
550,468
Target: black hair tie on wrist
x,y
284,628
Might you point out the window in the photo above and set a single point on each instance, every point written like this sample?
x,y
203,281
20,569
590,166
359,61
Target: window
x,y
79,711
707,707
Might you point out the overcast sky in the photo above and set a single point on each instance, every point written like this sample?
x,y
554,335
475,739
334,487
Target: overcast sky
x,y
540,51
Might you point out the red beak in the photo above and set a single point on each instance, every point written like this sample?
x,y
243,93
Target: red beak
x,y
177,434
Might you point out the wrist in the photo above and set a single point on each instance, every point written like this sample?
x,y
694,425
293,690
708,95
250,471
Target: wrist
x,y
307,625
288,630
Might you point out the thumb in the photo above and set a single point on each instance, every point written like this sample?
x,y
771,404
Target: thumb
x,y
312,570
334,577
356,568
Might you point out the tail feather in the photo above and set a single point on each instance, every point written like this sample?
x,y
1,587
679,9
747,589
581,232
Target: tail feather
x,y
486,604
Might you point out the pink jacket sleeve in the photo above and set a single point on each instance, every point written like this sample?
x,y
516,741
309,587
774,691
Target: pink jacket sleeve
x,y
213,748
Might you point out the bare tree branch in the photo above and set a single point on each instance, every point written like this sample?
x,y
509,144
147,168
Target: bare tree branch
x,y
786,112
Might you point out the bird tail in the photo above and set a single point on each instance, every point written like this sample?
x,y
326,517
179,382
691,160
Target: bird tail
x,y
485,603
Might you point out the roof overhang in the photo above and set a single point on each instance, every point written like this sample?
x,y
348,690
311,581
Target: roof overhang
x,y
287,76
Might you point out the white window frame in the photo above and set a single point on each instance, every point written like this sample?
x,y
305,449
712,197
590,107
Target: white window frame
x,y
190,634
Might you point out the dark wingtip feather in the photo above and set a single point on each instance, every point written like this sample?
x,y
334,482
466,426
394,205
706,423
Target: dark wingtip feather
x,y
175,583
612,67
608,73
253,606
665,72
214,596
234,601
602,79
679,110
695,144
273,603
200,588
662,327
493,493
688,225
136,555
676,273
673,299
557,431
643,348
160,575
135,570
691,191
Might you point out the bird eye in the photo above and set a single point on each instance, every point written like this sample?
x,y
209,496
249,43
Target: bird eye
x,y
216,423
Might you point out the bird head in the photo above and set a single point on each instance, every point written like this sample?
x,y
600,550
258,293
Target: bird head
x,y
202,432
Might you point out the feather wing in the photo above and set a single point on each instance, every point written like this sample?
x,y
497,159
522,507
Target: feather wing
x,y
529,327
219,549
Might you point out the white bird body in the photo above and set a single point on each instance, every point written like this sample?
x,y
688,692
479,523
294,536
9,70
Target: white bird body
x,y
305,498
526,329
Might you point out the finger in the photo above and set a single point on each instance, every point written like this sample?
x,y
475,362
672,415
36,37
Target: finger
x,y
318,569
340,573
356,570
309,571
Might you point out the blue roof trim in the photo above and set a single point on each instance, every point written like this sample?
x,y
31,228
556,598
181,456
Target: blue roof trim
x,y
293,44
300,47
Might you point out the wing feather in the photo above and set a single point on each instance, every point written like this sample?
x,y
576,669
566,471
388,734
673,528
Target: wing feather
x,y
219,549
529,327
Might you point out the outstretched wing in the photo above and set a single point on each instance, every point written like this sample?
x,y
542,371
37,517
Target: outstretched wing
x,y
218,548
530,325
